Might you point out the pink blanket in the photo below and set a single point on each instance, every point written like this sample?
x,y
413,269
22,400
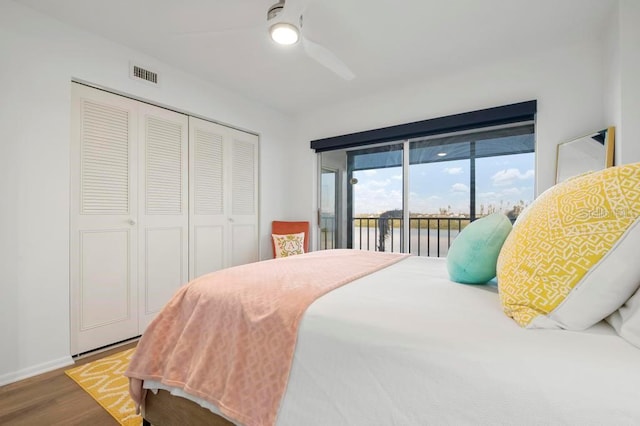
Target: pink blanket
x,y
228,337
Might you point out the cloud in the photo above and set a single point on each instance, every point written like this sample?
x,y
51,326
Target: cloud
x,y
509,176
511,191
376,196
459,187
397,177
415,196
453,170
378,183
369,172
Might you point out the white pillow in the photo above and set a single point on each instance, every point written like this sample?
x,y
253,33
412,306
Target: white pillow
x,y
289,244
626,320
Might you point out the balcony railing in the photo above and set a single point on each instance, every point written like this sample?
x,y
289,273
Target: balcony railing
x,y
429,236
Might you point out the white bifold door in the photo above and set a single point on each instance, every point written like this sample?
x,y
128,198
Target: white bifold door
x,y
157,198
223,202
129,216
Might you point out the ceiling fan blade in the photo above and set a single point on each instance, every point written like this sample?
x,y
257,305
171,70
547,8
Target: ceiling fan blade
x,y
325,57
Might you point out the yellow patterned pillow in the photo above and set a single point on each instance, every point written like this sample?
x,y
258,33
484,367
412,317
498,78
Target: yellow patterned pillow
x,y
571,260
289,244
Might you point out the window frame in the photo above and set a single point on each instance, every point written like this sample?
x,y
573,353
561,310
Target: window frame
x,y
451,126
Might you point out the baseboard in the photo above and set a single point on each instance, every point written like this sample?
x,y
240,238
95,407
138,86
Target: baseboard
x,y
105,348
45,367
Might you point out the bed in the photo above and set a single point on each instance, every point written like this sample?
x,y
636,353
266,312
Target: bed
x,y
347,337
404,345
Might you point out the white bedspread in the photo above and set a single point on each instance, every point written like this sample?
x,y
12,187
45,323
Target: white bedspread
x,y
406,346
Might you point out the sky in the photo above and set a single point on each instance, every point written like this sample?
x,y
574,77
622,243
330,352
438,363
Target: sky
x,y
502,181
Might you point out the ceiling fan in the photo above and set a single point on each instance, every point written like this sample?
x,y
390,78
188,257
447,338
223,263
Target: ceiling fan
x,y
285,25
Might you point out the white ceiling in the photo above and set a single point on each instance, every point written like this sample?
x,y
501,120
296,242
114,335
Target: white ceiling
x,y
386,43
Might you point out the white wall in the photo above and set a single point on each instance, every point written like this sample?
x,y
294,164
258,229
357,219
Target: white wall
x,y
567,82
38,59
629,81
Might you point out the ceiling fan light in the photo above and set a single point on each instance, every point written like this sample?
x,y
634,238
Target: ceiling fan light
x,y
283,33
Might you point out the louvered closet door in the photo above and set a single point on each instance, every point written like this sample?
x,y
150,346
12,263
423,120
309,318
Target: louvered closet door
x,y
103,240
244,198
163,217
207,197
223,193
129,215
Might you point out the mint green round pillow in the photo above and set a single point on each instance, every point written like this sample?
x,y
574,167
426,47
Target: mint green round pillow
x,y
473,255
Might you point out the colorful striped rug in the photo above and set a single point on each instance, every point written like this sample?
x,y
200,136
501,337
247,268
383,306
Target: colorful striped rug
x,y
104,380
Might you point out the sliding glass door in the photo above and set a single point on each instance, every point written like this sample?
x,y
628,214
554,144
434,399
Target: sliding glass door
x,y
329,215
375,191
440,181
417,195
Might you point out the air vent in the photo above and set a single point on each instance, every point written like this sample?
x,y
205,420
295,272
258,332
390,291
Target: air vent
x,y
138,72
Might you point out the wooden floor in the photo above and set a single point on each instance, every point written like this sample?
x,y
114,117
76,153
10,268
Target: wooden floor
x,y
54,399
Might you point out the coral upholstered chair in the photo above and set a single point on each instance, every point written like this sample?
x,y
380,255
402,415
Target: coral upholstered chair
x,y
280,228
